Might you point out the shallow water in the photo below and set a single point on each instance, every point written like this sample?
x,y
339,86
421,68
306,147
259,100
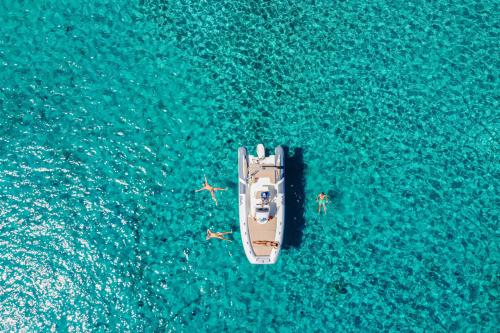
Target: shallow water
x,y
112,112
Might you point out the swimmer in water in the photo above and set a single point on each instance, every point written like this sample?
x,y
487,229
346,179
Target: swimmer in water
x,y
211,189
322,200
218,235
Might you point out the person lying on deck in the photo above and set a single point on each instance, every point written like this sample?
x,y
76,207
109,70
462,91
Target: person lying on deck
x,y
218,235
211,189
267,243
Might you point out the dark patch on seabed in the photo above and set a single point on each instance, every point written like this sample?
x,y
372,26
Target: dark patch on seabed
x,y
294,201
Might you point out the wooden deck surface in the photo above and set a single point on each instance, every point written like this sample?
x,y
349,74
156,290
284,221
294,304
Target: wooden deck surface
x,y
258,171
257,231
261,232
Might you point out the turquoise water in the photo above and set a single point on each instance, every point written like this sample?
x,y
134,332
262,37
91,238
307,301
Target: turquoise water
x,y
111,112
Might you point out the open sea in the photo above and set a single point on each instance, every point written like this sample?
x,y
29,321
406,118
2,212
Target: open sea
x,y
113,111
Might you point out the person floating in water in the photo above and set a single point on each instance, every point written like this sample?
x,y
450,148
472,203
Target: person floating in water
x,y
267,243
322,200
211,189
218,235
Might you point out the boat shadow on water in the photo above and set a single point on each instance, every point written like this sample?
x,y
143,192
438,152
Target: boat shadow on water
x,y
294,199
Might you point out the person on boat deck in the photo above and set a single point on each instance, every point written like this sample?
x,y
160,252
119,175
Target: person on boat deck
x,y
322,200
264,198
267,243
211,189
218,235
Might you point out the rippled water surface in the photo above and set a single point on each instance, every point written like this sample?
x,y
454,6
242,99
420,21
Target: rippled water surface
x,y
112,112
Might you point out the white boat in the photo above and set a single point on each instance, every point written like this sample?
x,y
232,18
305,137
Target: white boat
x,y
261,188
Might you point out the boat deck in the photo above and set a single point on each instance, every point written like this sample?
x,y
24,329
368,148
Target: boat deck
x,y
261,232
257,171
257,231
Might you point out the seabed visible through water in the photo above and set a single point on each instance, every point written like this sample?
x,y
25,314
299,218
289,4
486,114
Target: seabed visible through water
x,y
112,112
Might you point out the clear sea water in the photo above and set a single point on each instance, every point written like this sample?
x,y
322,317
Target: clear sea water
x,y
112,112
